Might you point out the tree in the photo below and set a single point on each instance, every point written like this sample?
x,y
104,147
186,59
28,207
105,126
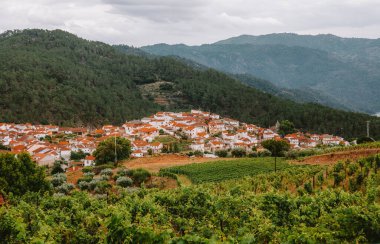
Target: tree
x,y
2,147
286,127
105,152
221,153
77,155
277,148
238,152
20,174
57,168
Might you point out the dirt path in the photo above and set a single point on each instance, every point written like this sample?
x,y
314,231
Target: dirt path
x,y
330,158
155,163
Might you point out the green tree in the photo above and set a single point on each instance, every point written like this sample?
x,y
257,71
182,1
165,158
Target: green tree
x,y
77,155
57,168
20,174
277,148
105,152
286,127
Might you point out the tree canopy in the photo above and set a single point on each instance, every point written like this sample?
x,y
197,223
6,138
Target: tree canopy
x,y
105,152
20,174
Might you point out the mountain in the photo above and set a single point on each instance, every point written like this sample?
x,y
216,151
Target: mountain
x,y
342,70
56,77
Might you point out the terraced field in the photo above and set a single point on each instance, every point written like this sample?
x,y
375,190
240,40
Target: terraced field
x,y
230,169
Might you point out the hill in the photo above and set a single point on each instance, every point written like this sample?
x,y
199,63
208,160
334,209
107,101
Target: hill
x,y
56,77
344,69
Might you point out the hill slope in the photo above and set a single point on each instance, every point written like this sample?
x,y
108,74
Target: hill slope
x,y
56,77
341,68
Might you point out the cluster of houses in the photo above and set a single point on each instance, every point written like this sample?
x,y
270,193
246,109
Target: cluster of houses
x,y
205,131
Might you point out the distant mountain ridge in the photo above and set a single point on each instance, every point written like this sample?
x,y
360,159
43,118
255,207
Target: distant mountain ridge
x,y
343,69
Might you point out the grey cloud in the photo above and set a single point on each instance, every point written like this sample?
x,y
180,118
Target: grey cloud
x,y
142,22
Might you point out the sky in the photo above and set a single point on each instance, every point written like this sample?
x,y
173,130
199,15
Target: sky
x,y
144,22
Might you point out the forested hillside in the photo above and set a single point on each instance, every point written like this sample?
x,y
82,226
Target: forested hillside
x,y
56,77
344,69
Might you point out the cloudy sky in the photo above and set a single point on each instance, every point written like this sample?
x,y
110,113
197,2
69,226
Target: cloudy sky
x,y
142,22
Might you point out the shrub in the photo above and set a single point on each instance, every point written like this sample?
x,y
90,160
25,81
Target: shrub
x,y
89,175
107,172
198,153
139,175
122,172
99,168
65,188
58,179
253,155
221,153
124,181
102,187
57,168
238,152
87,169
308,188
83,185
264,153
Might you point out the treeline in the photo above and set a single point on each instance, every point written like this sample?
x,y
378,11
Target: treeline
x,y
56,77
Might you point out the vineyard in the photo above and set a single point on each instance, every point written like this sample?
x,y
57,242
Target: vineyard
x,y
325,150
224,170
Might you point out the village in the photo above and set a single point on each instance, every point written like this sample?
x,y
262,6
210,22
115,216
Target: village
x,y
205,132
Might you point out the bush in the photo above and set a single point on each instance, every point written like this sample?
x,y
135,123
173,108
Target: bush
x,y
58,179
221,153
57,168
99,168
253,155
265,153
198,153
238,152
65,188
87,169
89,175
107,172
308,188
83,185
124,181
122,172
139,175
102,187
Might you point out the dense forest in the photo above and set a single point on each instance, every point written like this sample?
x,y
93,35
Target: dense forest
x,y
56,77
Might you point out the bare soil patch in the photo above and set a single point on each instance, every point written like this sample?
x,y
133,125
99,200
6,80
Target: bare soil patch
x,y
331,158
155,163
73,174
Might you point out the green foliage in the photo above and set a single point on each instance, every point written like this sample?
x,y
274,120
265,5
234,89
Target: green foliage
x,y
286,127
2,147
124,181
221,153
57,168
277,148
20,174
139,175
362,140
58,179
105,152
97,84
77,155
107,172
238,153
223,170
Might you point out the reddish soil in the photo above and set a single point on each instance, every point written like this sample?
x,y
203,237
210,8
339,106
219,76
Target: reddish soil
x,y
73,174
331,158
155,163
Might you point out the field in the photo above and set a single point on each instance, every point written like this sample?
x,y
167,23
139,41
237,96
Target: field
x,y
227,169
333,157
155,163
